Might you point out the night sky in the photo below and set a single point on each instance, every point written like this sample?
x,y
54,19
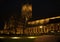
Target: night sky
x,y
41,8
9,7
46,8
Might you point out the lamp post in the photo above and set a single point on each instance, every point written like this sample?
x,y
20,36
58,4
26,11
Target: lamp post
x,y
26,14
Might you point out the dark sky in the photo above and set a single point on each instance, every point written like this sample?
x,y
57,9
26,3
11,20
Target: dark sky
x,y
41,8
46,8
8,7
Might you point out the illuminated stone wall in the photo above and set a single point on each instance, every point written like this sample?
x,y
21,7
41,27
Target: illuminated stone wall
x,y
49,28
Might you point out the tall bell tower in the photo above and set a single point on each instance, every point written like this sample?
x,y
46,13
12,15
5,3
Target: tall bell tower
x,y
26,12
